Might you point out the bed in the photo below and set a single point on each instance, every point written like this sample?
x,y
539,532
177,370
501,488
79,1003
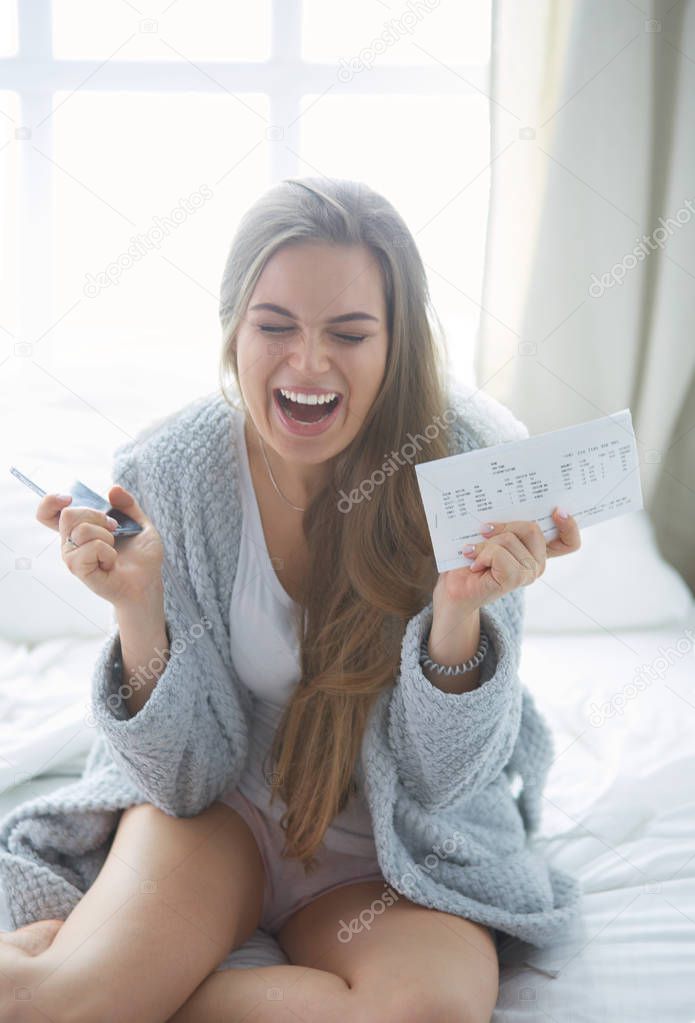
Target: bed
x,y
609,654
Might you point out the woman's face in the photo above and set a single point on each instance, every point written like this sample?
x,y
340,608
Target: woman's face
x,y
296,347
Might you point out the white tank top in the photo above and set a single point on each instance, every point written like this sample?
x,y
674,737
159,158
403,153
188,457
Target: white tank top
x,y
265,652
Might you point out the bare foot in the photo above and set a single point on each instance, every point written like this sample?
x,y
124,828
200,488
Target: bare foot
x,y
33,938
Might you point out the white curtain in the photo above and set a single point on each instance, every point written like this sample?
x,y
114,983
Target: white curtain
x,y
589,293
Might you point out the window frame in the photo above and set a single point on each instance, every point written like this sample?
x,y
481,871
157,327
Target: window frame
x,y
35,74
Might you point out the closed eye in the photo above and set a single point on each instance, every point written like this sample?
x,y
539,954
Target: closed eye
x,y
349,338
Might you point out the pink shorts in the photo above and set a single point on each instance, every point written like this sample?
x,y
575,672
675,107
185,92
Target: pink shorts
x,y
286,887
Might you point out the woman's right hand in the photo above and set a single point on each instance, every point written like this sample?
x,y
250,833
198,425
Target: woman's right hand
x,y
125,575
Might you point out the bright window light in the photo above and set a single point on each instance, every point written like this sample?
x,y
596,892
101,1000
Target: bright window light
x,y
416,151
9,219
374,33
8,27
182,30
138,204
122,181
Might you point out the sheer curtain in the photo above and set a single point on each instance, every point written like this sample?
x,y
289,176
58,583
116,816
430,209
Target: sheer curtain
x,y
588,298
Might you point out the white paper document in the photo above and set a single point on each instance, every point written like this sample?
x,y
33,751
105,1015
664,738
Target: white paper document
x,y
591,469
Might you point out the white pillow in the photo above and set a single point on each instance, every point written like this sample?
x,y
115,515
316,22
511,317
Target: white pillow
x,y
616,580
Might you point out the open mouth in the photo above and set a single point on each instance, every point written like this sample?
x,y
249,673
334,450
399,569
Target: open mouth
x,y
301,412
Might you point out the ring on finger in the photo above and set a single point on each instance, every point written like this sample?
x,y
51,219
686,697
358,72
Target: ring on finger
x,y
70,540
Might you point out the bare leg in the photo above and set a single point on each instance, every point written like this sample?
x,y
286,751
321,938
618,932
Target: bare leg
x,y
270,994
406,962
173,897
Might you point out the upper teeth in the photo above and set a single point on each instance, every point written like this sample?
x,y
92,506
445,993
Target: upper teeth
x,y
308,399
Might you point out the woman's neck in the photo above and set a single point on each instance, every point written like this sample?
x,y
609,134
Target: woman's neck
x,y
298,483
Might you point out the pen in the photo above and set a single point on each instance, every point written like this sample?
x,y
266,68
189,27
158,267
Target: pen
x,y
27,482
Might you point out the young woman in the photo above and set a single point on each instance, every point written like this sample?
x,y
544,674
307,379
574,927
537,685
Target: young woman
x,y
313,571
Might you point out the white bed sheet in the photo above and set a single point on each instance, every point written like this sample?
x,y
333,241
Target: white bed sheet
x,y
45,716
619,812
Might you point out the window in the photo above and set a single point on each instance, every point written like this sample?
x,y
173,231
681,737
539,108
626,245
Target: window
x,y
134,135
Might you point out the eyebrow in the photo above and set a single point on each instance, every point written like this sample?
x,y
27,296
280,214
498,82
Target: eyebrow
x,y
344,318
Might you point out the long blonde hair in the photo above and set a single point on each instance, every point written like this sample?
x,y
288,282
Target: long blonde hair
x,y
371,567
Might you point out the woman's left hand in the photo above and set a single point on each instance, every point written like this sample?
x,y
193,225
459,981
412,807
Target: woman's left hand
x,y
512,555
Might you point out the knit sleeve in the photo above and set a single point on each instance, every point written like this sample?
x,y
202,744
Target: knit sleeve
x,y
530,761
179,749
451,745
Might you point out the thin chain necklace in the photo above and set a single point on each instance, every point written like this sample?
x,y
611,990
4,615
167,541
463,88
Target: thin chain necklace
x,y
272,478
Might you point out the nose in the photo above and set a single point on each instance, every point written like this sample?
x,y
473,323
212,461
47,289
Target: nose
x,y
308,355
